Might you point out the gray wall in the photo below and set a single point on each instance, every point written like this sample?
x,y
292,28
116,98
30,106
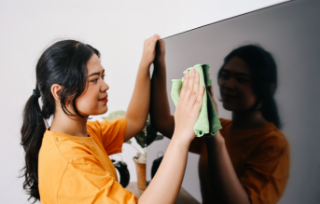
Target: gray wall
x,y
291,32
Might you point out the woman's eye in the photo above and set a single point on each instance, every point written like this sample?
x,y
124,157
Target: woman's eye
x,y
95,80
224,76
242,80
103,76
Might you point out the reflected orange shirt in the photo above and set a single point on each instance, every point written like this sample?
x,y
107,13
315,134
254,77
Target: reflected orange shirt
x,y
260,158
78,169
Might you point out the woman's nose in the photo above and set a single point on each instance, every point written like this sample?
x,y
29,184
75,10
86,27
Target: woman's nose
x,y
104,86
230,83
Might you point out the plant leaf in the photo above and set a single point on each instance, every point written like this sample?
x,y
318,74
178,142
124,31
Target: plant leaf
x,y
159,137
128,142
141,139
114,115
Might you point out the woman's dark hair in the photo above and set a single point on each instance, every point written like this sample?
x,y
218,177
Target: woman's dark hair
x,y
263,70
63,63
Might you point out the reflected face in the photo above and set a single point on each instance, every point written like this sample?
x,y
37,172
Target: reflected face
x,y
94,100
236,86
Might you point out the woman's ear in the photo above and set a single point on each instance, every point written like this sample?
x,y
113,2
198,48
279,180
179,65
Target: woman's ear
x,y
272,89
56,90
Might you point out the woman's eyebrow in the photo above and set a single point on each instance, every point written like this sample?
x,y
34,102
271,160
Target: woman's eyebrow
x,y
236,73
96,73
242,74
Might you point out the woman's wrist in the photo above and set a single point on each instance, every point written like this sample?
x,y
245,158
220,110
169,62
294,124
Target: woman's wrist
x,y
144,70
144,65
159,62
216,141
178,139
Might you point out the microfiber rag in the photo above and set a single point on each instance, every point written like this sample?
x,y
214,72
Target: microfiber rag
x,y
208,122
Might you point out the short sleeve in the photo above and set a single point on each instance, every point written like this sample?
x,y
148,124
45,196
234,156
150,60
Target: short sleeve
x,y
266,172
87,181
224,122
111,133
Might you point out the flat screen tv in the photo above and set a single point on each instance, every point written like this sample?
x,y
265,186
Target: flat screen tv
x,y
285,170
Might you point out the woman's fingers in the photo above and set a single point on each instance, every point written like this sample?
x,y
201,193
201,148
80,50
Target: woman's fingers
x,y
199,98
153,40
184,85
191,82
195,89
190,87
148,54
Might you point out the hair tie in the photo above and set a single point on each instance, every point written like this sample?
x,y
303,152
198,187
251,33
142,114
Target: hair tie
x,y
36,93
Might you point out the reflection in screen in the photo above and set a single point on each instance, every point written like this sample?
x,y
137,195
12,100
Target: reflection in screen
x,y
258,150
265,73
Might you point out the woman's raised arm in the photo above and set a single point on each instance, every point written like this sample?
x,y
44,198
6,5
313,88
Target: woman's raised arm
x,y
138,109
161,119
166,184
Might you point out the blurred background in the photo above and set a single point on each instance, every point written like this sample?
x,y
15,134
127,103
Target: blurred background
x,y
290,32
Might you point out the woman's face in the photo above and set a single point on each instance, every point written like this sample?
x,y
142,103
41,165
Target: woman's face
x,y
235,86
94,100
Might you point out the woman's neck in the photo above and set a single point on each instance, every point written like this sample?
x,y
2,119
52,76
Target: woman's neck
x,y
247,120
75,126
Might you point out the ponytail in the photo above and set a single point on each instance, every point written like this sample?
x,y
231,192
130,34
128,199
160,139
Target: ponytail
x,y
32,131
269,111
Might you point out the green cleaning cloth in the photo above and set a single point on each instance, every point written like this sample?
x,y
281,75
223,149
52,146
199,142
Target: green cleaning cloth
x,y
208,122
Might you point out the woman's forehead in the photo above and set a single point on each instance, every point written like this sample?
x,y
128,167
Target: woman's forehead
x,y
94,65
237,65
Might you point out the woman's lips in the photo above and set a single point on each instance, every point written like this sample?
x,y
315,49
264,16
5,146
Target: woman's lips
x,y
104,99
228,97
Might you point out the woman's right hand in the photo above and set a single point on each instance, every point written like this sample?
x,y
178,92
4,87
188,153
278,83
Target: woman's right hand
x,y
149,50
188,107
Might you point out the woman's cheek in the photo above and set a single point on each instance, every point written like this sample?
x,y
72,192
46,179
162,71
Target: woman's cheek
x,y
88,102
250,98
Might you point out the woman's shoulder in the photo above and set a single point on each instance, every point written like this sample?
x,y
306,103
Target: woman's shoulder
x,y
69,148
97,126
272,138
225,122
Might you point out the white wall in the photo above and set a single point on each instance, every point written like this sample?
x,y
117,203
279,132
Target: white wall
x,y
198,13
116,28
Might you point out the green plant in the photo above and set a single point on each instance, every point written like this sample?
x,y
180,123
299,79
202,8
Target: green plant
x,y
143,138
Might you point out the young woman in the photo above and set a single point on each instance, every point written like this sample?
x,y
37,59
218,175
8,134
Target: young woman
x,y
68,162
248,160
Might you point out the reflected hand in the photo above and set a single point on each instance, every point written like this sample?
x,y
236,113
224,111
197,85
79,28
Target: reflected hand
x,y
214,102
211,94
160,52
188,107
218,137
149,52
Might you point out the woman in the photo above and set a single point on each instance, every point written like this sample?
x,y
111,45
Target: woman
x,y
248,160
68,162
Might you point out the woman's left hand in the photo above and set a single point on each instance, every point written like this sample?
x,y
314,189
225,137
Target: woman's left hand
x,y
214,102
160,53
149,51
218,137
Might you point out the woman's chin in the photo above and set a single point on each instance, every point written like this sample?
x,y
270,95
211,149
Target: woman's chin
x,y
228,107
101,111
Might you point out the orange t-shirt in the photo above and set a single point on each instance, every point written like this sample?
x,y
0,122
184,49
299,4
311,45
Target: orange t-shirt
x,y
78,169
260,158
